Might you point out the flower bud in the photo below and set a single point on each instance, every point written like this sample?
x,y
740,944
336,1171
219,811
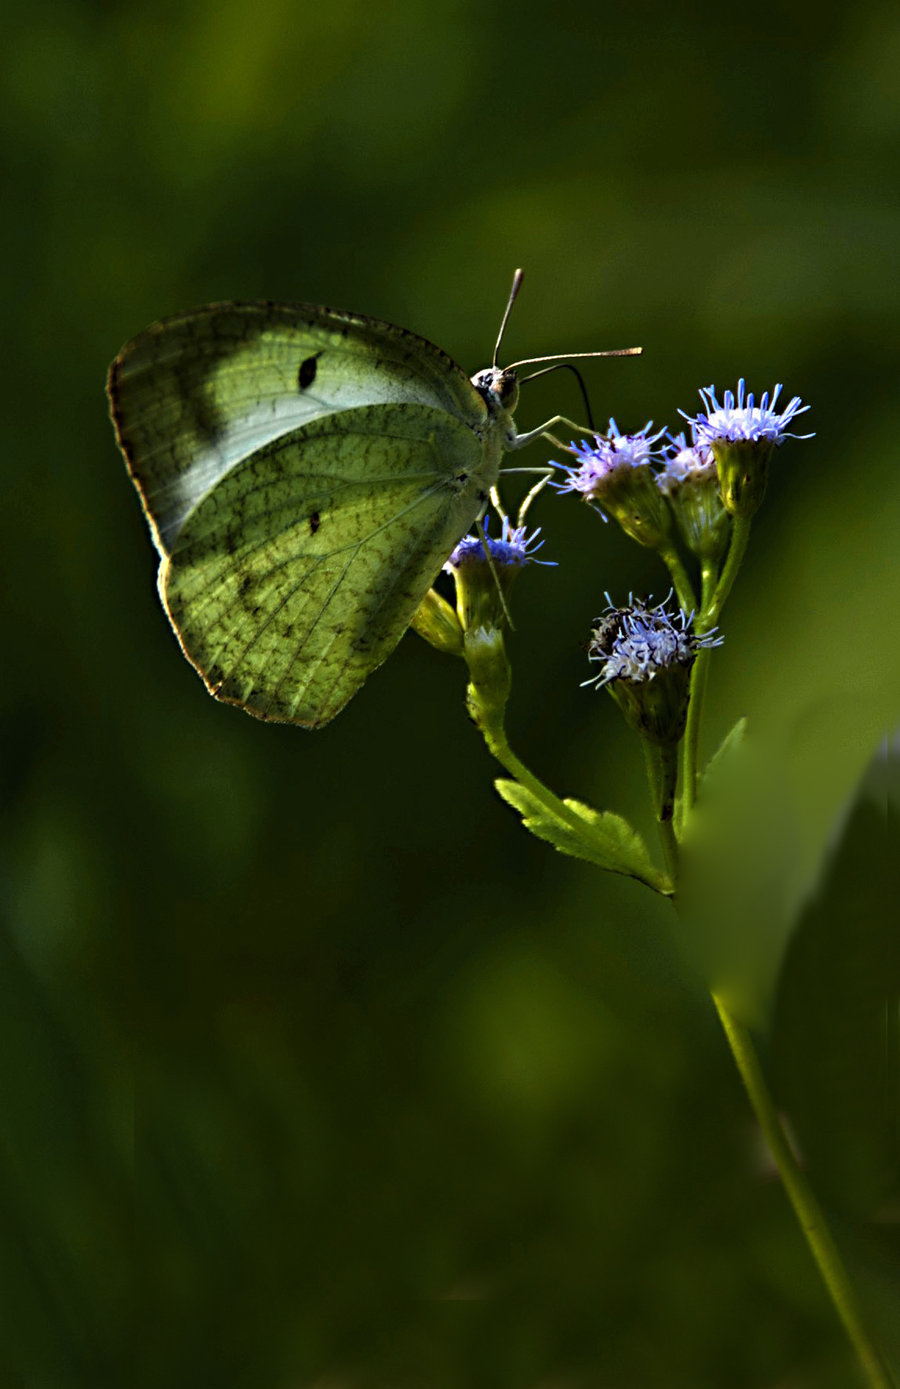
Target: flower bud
x,y
690,482
490,677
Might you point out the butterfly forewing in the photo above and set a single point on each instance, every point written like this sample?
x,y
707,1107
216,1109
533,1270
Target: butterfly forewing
x,y
299,572
194,395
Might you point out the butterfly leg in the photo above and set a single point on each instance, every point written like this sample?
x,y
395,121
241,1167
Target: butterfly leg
x,y
479,526
519,441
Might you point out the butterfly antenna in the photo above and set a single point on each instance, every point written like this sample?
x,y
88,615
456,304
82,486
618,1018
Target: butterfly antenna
x,y
563,366
513,295
567,356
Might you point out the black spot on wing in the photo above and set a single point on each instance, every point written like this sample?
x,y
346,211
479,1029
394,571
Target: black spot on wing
x,y
306,374
315,522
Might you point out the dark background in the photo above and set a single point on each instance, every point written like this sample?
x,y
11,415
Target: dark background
x,y
411,1100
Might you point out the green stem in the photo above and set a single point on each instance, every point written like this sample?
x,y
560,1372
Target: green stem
x,y
670,849
662,774
712,601
494,734
806,1208
691,745
740,535
684,589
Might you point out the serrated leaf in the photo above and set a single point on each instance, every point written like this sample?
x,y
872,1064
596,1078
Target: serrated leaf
x,y
598,837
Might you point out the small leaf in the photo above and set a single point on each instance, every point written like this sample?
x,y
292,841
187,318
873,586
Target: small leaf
x,y
729,745
601,838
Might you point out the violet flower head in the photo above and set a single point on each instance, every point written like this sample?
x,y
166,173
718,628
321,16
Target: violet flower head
x,y
609,454
683,462
513,549
739,417
638,643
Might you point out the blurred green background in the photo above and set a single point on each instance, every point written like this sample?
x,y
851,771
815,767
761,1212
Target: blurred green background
x,y
411,1100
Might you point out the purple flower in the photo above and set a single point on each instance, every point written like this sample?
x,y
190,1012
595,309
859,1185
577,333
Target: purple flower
x,y
647,655
638,643
608,455
683,462
513,549
739,418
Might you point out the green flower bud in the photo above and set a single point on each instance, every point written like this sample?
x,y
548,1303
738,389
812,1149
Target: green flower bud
x,y
743,468
690,482
490,676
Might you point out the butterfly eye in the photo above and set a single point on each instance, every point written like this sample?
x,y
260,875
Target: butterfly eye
x,y
506,387
499,387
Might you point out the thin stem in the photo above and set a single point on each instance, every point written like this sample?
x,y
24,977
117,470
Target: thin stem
x,y
691,745
806,1208
740,535
670,849
662,774
684,589
712,601
494,734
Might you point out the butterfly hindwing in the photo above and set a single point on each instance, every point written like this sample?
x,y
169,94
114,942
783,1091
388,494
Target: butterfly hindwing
x,y
299,572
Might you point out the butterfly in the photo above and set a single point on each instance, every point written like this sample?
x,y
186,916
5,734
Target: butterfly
x,y
305,473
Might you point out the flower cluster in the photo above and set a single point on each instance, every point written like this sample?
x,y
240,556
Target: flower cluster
x,y
684,462
722,470
484,569
666,491
689,480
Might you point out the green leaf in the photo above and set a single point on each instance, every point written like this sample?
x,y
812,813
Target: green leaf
x,y
601,838
834,1045
727,749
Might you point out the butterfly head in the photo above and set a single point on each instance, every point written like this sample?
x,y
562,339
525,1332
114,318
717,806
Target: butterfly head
x,y
499,386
